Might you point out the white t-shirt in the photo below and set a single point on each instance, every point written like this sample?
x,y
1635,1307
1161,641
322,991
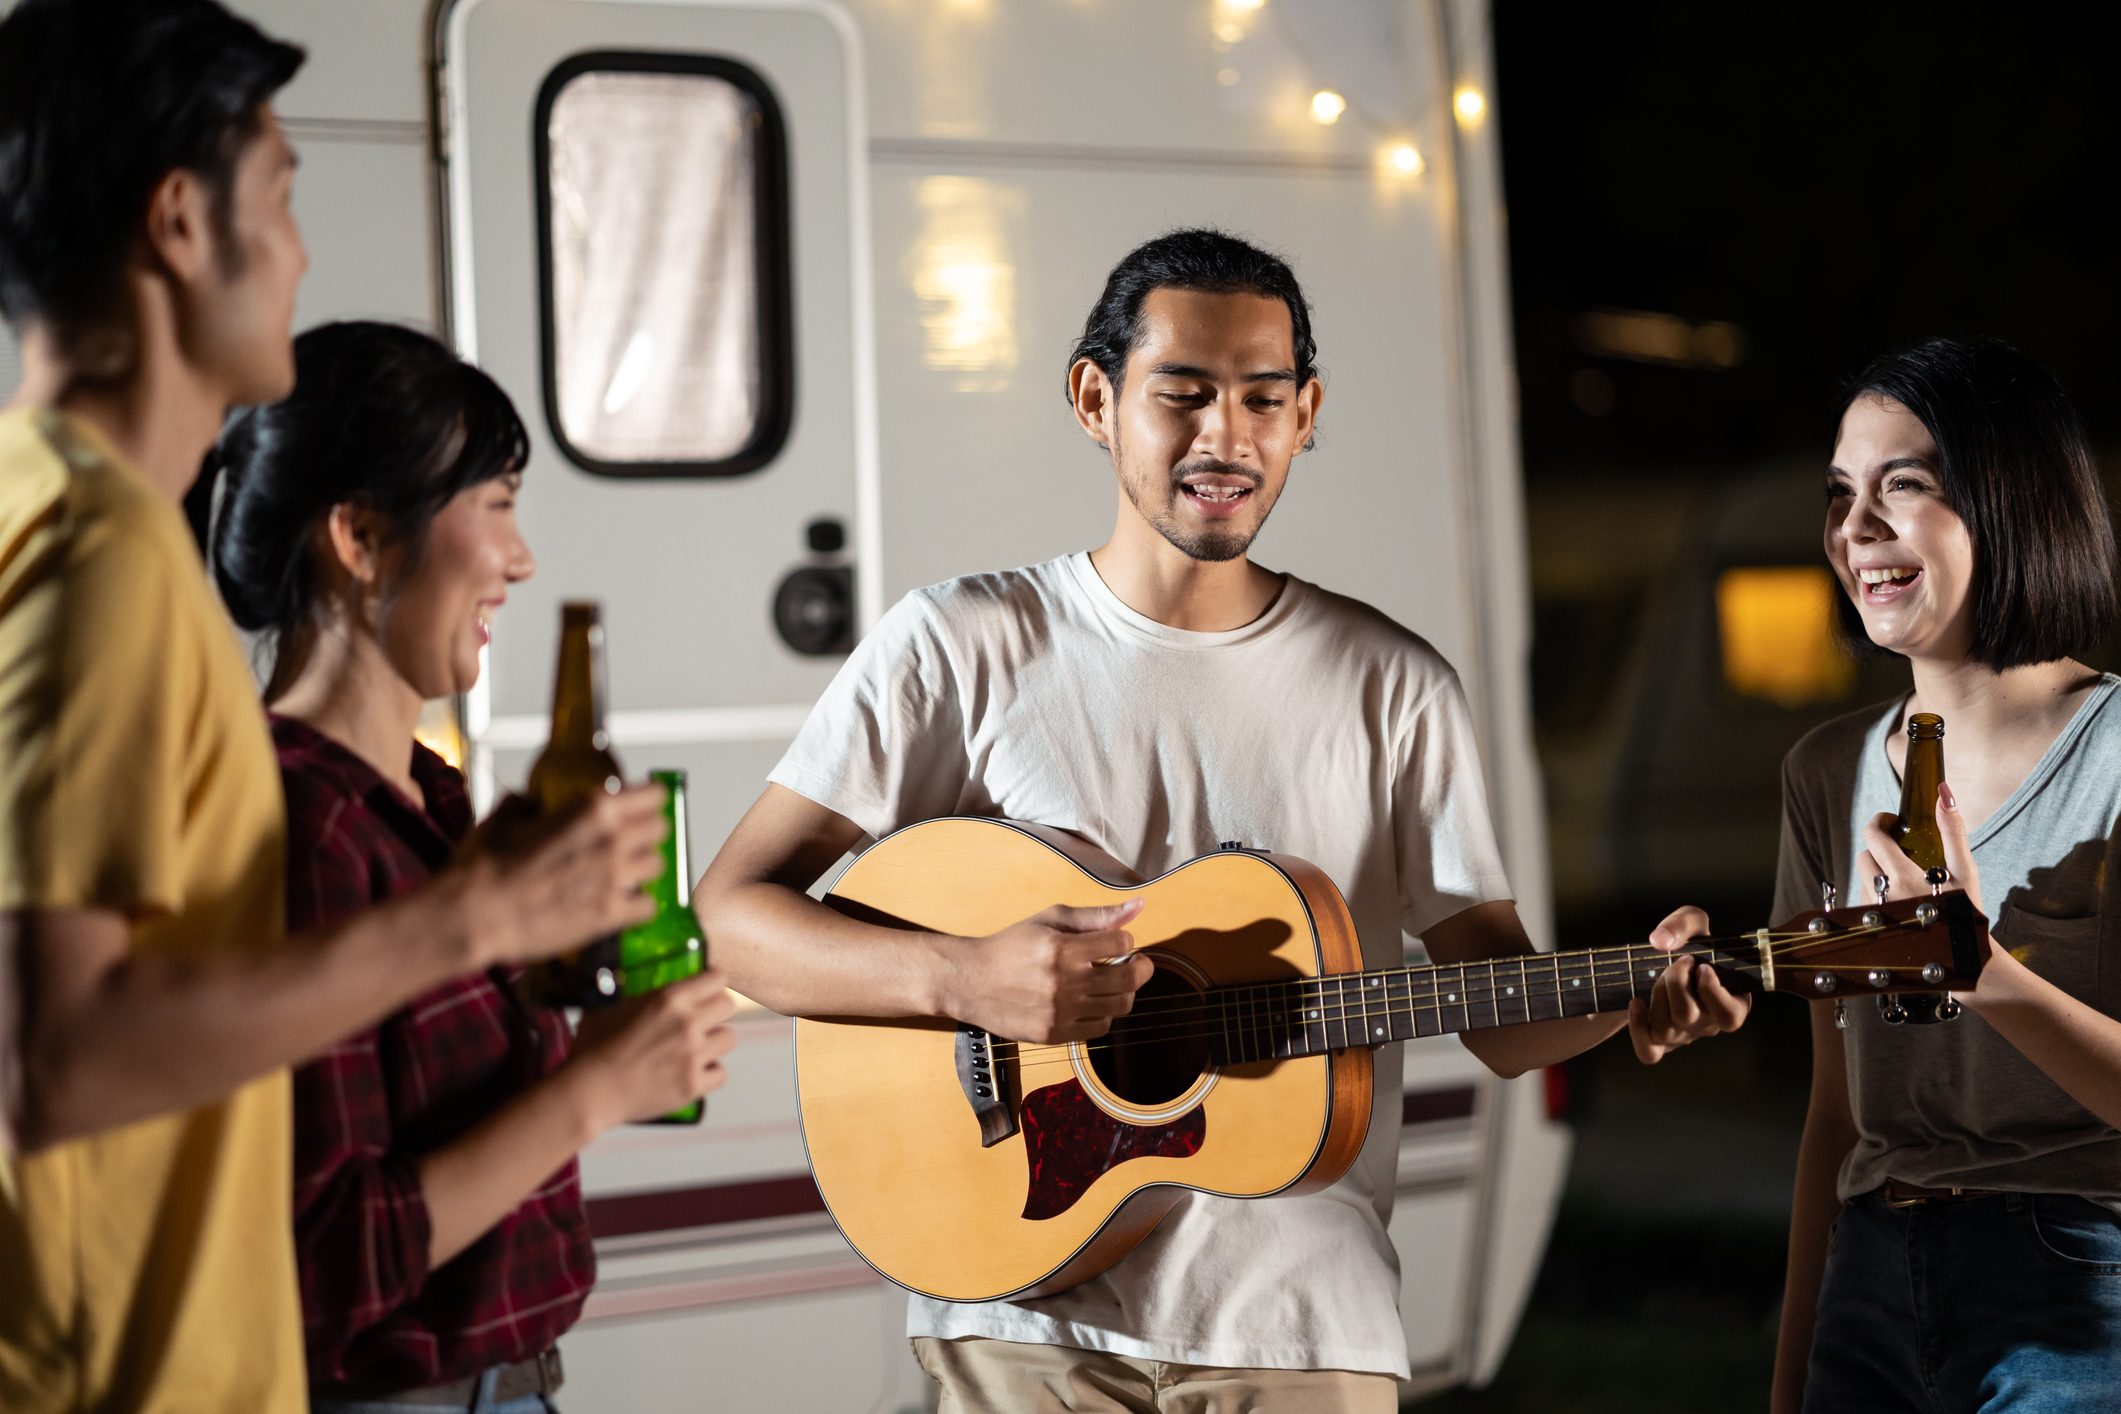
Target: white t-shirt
x,y
1323,730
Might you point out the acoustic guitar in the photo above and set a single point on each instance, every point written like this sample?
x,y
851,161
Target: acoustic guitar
x,y
970,1167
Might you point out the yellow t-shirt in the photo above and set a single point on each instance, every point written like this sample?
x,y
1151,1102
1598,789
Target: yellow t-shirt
x,y
149,1268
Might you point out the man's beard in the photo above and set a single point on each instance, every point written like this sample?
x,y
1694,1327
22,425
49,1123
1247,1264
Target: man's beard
x,y
1208,546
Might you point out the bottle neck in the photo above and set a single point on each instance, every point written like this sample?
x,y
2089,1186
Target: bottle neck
x,y
578,686
672,889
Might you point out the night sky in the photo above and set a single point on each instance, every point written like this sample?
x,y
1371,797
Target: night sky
x,y
1836,180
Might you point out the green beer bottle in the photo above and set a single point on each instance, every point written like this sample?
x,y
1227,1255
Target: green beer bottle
x,y
577,765
668,947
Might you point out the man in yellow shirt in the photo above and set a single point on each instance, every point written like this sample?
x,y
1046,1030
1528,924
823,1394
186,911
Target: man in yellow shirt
x,y
148,1001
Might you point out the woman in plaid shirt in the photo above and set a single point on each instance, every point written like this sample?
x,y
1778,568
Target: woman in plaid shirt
x,y
368,530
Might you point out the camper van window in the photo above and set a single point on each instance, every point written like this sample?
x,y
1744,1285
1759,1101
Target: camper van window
x,y
663,242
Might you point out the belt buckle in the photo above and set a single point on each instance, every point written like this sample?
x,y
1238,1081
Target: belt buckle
x,y
1917,1200
550,1374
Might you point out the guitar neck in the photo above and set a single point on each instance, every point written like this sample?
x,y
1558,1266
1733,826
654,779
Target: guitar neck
x,y
1278,1020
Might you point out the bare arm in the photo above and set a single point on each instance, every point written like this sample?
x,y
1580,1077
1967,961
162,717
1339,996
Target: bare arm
x,y
784,949
1829,1134
107,1036
1037,981
643,1059
2076,1046
1681,1008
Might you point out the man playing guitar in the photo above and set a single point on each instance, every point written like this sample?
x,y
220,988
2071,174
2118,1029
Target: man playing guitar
x,y
1159,695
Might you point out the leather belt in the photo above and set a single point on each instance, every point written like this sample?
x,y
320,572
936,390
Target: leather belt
x,y
541,1374
1913,1195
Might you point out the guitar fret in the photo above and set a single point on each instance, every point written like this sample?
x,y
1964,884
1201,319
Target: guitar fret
x,y
1542,992
1399,998
1614,981
1429,993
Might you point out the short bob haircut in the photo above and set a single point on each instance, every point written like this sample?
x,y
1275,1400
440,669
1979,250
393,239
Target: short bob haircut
x,y
2016,467
381,417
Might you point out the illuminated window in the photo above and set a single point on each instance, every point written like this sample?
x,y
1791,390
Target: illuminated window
x,y
1776,625
663,237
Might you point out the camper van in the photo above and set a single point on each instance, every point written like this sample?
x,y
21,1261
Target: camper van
x,y
785,289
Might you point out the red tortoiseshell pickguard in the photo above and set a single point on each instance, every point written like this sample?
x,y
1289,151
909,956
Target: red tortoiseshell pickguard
x,y
1070,1143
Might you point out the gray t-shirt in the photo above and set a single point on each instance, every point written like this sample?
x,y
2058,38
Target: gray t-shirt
x,y
1954,1104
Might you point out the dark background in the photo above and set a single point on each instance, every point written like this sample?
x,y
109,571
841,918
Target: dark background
x,y
1834,182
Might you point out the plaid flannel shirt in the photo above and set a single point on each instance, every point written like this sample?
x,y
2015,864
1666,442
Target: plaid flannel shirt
x,y
375,1316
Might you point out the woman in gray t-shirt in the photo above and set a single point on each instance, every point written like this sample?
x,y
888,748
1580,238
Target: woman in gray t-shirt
x,y
1954,1243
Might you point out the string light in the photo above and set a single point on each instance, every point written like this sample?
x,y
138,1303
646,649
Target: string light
x,y
1470,104
1242,7
1403,159
1327,106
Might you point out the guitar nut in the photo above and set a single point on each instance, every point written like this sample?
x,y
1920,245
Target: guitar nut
x,y
1819,925
1872,918
1925,914
1932,973
1878,978
1824,982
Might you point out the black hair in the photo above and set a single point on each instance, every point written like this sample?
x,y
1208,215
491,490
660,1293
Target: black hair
x,y
381,417
99,101
2017,468
1210,262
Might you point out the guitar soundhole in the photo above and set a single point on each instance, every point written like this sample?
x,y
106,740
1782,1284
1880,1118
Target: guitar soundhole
x,y
1154,1053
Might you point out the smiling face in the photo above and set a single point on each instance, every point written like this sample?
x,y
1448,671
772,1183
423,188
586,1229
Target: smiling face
x,y
1207,420
1902,554
434,619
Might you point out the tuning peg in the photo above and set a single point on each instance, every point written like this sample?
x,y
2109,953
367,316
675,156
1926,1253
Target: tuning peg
x,y
1936,878
1878,882
1841,1014
1949,1009
1827,894
1890,1009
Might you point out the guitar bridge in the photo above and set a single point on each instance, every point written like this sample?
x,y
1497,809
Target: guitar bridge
x,y
981,1077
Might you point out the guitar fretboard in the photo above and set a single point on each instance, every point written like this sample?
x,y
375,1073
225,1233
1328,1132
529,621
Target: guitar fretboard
x,y
1279,1020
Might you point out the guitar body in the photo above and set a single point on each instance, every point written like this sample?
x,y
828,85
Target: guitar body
x,y
1086,1147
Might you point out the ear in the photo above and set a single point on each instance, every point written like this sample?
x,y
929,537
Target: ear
x,y
179,229
1307,404
354,534
1091,392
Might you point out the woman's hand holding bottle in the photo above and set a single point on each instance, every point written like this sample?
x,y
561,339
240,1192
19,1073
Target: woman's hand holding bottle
x,y
647,1056
532,887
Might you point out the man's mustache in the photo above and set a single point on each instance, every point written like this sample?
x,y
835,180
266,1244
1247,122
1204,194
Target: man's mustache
x,y
1210,467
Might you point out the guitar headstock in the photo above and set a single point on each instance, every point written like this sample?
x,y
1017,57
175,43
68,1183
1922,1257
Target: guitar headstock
x,y
1931,943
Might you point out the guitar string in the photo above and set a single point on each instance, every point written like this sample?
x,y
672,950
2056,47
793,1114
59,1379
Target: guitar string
x,y
1352,1019
1553,964
1797,941
1404,996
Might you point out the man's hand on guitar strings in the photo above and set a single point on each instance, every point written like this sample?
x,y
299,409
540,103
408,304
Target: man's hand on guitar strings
x,y
1687,1001
1060,975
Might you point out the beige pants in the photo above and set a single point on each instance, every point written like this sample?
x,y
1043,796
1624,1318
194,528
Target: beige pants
x,y
1003,1377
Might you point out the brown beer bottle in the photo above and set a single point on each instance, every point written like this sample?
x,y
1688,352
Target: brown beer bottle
x,y
577,765
1917,829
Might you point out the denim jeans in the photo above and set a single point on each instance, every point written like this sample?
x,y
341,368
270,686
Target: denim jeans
x,y
484,1403
2011,1303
